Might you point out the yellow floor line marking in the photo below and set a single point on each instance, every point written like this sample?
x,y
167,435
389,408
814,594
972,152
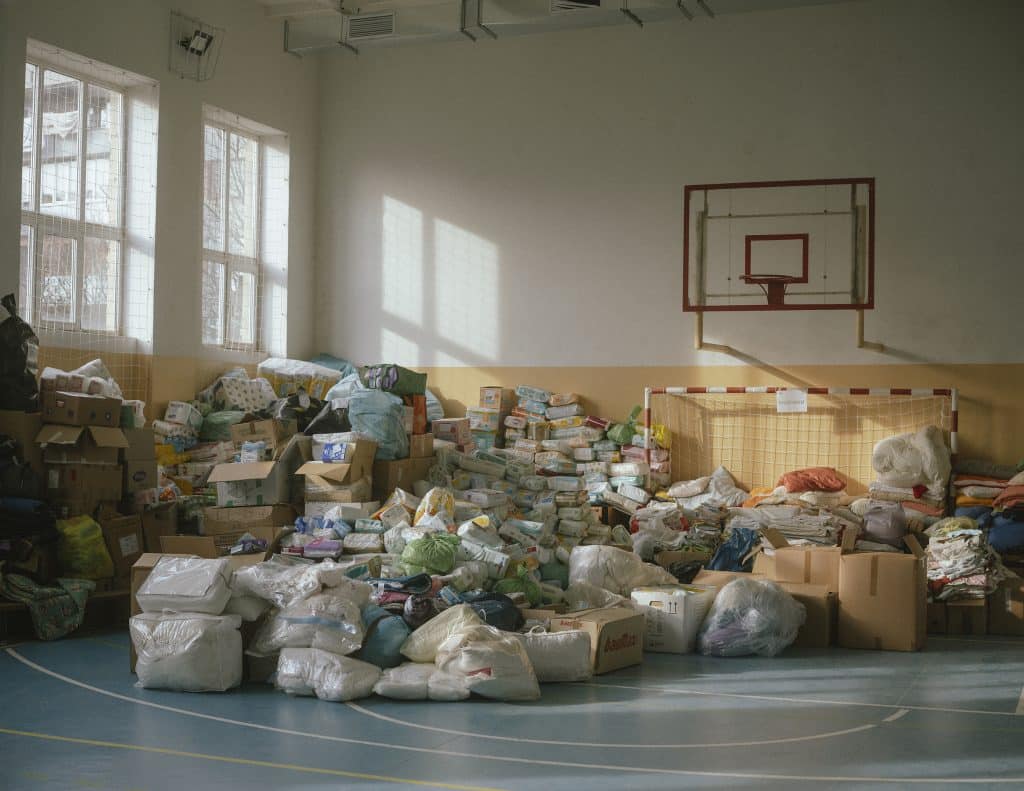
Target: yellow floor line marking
x,y
243,761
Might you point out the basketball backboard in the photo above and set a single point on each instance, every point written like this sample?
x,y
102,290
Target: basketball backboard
x,y
779,245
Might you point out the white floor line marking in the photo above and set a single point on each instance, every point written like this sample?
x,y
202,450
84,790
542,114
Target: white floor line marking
x,y
433,751
617,745
897,715
986,640
815,701
1020,703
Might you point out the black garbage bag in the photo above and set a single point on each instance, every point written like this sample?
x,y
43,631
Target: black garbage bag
x,y
19,361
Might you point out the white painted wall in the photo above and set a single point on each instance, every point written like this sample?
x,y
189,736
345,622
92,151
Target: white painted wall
x,y
518,202
254,79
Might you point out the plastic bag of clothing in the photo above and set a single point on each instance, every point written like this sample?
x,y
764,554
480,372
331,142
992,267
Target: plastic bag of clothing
x,y
187,652
384,638
408,681
310,671
381,416
192,585
82,551
19,361
735,554
584,596
328,620
423,643
282,580
558,656
495,609
434,554
885,522
494,664
751,616
721,490
248,608
217,425
917,458
614,569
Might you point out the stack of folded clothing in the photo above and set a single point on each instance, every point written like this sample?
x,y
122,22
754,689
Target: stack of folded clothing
x,y
1006,533
977,490
961,563
913,469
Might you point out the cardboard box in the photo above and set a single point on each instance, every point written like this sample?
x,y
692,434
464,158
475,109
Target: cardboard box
x,y
157,522
882,600
141,445
454,429
672,615
721,578
342,482
218,521
23,428
80,488
220,546
184,414
80,409
936,618
1006,608
822,607
483,419
967,617
764,565
81,444
668,557
275,433
421,446
399,474
123,537
261,482
498,398
140,475
810,565
616,635
418,403
349,511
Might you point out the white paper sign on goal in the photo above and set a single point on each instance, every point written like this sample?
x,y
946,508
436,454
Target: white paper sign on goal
x,y
790,401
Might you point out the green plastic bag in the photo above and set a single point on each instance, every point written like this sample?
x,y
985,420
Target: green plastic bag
x,y
522,583
622,433
81,550
433,554
394,379
217,425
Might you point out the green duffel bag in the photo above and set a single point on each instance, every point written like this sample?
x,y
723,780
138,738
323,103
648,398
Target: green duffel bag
x,y
394,379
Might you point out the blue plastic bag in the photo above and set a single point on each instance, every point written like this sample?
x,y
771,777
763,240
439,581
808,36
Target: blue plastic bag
x,y
381,416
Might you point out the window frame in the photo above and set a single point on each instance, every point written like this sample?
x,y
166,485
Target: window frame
x,y
233,262
41,224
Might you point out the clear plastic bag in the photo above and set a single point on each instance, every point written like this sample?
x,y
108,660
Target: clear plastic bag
x,y
193,585
328,620
751,617
282,580
187,652
82,551
493,663
558,656
614,569
310,671
422,644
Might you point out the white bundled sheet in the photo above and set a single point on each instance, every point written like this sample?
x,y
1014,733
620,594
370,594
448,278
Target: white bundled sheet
x,y
919,458
187,652
196,585
282,580
416,681
310,671
493,663
614,569
558,656
329,620
721,489
422,645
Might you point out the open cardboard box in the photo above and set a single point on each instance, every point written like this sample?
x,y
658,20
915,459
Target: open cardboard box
x,y
336,481
219,546
261,482
81,444
275,433
809,565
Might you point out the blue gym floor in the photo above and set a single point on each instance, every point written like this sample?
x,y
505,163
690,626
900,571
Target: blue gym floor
x,y
953,715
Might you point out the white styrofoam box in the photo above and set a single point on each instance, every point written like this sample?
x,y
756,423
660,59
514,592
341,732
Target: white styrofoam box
x,y
673,615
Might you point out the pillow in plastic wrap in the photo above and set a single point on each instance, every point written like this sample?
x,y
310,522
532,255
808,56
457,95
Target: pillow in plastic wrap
x,y
720,490
558,656
310,671
282,580
751,616
187,652
422,645
614,569
381,416
918,458
190,585
327,620
493,663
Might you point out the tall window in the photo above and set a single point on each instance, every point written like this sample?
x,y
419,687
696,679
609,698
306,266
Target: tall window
x,y
72,201
231,239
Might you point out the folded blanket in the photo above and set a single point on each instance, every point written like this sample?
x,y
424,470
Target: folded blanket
x,y
1012,496
963,501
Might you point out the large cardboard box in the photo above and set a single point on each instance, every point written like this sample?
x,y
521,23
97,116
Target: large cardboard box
x,y
23,428
81,444
967,617
421,446
672,615
809,565
80,488
722,578
1006,608
275,433
399,474
498,398
81,409
220,546
883,600
616,635
254,483
822,607
157,522
141,445
454,429
123,537
219,521
342,482
140,475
